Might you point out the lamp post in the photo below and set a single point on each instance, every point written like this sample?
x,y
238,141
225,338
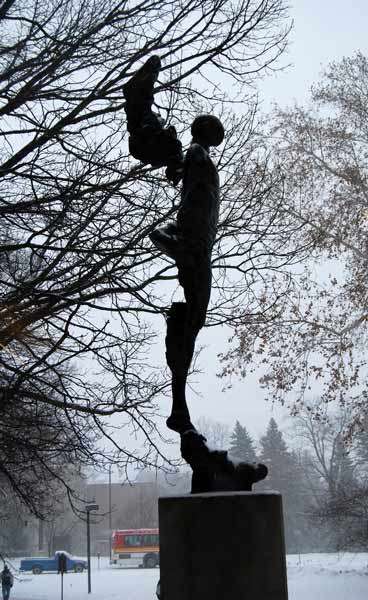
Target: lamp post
x,y
89,508
110,524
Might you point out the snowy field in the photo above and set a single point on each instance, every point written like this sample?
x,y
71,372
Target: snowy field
x,y
310,577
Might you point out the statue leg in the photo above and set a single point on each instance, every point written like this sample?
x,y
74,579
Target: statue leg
x,y
179,352
179,419
166,239
195,277
185,319
194,271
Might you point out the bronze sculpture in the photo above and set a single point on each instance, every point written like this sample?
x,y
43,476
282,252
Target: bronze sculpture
x,y
189,242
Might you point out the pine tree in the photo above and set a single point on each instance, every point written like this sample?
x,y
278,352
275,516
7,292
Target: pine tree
x,y
275,456
241,445
285,475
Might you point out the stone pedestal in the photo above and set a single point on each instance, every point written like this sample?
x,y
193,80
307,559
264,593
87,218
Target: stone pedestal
x,y
222,546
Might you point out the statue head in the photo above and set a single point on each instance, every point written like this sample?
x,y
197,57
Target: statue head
x,y
207,130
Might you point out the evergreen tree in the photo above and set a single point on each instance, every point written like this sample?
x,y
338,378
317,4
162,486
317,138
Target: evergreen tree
x,y
241,444
285,475
275,456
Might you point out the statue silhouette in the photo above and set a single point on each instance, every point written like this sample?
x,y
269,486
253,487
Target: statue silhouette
x,y
189,242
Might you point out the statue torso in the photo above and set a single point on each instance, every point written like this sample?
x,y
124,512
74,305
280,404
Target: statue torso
x,y
198,213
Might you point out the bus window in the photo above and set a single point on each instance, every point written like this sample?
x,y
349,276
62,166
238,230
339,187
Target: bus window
x,y
133,540
151,539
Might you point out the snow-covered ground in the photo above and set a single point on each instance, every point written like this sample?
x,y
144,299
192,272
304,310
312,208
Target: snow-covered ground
x,y
310,577
328,576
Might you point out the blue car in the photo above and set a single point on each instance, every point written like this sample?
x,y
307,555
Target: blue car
x,y
40,565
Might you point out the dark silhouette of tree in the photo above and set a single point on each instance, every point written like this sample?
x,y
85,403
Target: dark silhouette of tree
x,y
40,446
81,287
241,444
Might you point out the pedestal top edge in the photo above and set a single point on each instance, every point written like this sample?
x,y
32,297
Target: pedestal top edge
x,y
220,495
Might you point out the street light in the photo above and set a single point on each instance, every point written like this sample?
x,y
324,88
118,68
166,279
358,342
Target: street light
x,y
110,524
89,508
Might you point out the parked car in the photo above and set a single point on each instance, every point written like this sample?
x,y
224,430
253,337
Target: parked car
x,y
39,564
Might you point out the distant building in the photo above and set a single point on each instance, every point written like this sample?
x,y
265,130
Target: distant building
x,y
132,506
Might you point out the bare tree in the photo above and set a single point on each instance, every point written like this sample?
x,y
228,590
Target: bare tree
x,y
64,525
339,493
16,525
323,437
315,337
40,446
79,279
215,432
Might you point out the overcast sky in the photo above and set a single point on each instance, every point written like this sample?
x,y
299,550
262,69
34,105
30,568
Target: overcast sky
x,y
324,31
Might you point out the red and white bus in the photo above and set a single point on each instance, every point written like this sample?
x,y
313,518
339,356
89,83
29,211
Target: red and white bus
x,y
135,547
